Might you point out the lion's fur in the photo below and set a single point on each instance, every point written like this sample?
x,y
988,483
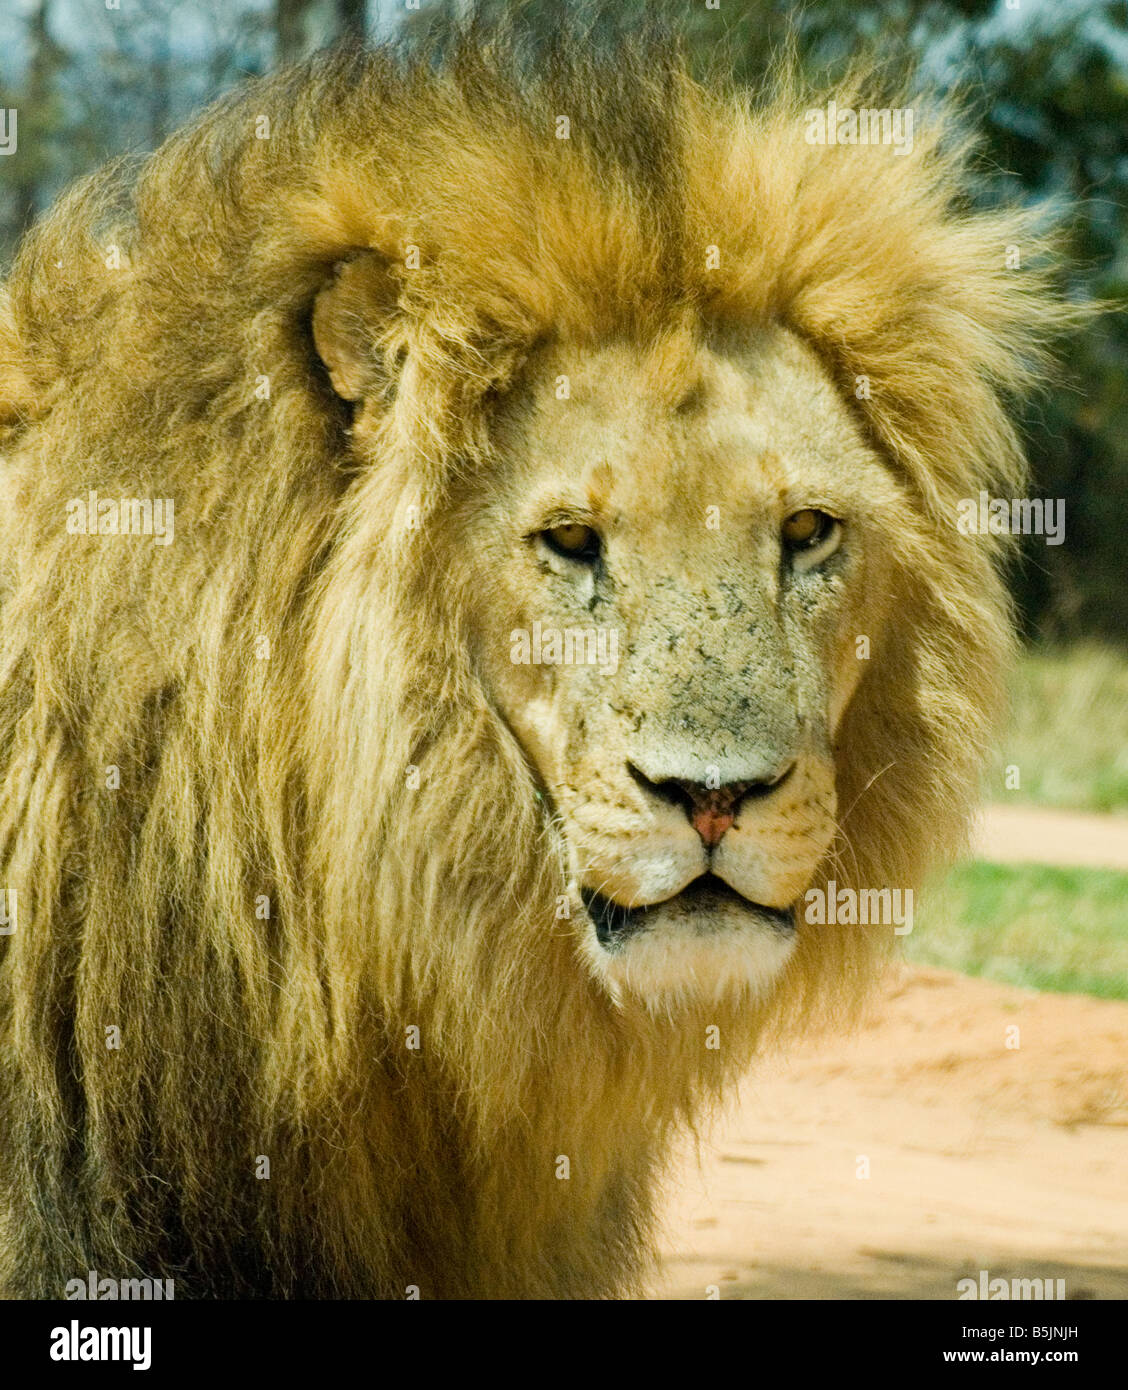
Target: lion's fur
x,y
286,776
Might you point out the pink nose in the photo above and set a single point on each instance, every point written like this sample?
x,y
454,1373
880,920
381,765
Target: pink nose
x,y
713,810
711,825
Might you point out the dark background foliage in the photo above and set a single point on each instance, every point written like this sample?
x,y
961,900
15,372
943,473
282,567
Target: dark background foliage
x,y
1046,80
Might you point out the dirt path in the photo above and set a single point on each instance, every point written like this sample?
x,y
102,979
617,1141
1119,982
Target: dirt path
x,y
980,1156
1040,835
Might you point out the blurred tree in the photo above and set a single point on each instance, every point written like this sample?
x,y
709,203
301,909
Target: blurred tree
x,y
39,120
352,18
292,19
304,25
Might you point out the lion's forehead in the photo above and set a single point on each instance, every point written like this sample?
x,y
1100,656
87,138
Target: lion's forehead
x,y
615,434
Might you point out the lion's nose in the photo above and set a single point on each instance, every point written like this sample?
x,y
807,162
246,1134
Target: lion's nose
x,y
711,810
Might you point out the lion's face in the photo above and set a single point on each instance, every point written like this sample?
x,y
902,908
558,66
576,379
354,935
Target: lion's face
x,y
674,564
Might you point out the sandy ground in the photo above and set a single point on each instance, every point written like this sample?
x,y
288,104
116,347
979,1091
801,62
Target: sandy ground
x,y
1041,835
980,1156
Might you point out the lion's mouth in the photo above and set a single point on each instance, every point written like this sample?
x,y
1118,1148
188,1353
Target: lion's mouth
x,y
705,897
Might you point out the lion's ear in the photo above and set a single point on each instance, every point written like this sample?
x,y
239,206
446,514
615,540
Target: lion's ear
x,y
347,316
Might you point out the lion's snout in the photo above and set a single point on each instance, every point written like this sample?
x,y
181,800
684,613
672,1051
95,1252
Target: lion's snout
x,y
710,806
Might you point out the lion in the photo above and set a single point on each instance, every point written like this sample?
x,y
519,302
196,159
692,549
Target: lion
x,y
478,554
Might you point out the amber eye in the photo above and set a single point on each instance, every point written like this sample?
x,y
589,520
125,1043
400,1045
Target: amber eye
x,y
573,540
810,536
805,527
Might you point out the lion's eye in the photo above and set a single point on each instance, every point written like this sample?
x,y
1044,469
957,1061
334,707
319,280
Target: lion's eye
x,y
810,536
805,527
573,540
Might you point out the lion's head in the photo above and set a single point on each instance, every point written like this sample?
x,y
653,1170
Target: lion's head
x,y
678,552
565,584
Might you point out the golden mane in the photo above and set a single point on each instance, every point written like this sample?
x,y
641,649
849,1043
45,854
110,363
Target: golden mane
x,y
268,903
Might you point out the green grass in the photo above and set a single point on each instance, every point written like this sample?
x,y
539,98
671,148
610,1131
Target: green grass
x,y
1068,734
1048,928
1064,930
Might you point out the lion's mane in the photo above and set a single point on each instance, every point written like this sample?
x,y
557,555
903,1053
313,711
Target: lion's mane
x,y
272,898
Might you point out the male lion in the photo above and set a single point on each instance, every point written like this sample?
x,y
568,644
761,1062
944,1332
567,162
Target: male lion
x,y
479,549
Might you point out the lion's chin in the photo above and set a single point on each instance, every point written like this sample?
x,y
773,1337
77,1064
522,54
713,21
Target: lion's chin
x,y
705,943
